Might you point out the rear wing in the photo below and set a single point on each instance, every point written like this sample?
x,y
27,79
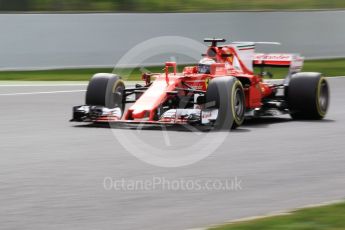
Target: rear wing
x,y
292,61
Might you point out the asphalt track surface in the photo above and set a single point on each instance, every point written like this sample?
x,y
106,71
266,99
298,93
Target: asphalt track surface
x,y
52,171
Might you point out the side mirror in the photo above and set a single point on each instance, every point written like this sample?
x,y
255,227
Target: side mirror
x,y
167,66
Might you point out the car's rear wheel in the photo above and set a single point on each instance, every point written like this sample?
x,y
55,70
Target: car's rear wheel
x,y
105,90
308,96
227,95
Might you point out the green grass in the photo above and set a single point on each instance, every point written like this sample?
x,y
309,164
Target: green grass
x,y
329,67
71,74
330,217
51,75
332,67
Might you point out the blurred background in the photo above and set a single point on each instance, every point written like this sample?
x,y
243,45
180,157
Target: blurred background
x,y
59,34
166,6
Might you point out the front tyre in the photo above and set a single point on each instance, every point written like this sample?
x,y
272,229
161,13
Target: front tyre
x,y
105,90
238,104
308,96
226,94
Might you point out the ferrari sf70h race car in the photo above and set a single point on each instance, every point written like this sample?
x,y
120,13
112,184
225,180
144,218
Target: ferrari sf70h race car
x,y
220,91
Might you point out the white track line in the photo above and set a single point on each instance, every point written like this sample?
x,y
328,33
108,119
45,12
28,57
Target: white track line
x,y
47,84
36,93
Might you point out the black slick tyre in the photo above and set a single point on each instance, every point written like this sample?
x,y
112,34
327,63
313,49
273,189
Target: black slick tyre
x,y
227,95
105,90
308,96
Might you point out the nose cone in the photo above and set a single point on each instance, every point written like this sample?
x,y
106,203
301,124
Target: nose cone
x,y
140,114
153,97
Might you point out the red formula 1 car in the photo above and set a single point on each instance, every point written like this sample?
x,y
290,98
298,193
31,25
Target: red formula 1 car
x,y
220,92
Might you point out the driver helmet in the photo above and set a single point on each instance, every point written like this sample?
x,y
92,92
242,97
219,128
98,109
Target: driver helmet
x,y
204,65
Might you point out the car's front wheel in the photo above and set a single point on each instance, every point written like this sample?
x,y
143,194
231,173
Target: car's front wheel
x,y
105,90
227,95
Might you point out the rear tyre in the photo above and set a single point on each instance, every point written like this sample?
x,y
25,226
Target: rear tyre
x,y
308,96
227,95
105,90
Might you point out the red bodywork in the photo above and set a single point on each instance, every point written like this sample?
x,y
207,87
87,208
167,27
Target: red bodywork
x,y
229,63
